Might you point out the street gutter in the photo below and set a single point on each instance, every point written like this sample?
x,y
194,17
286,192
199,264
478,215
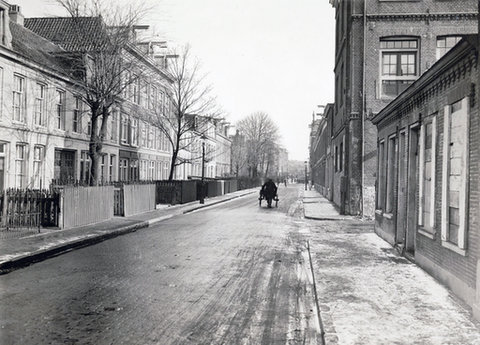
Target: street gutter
x,y
28,258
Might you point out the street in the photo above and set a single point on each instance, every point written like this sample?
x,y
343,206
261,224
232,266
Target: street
x,y
233,274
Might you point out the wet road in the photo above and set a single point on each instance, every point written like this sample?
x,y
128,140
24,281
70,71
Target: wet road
x,y
232,274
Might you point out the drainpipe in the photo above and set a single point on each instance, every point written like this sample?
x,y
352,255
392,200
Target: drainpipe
x,y
364,101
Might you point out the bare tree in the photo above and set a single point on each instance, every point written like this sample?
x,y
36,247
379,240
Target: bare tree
x,y
100,48
239,153
194,109
261,138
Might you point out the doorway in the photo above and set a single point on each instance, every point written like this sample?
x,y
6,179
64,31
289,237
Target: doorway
x,y
402,191
412,188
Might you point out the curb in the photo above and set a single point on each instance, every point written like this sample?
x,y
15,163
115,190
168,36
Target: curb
x,y
216,202
326,218
25,260
41,255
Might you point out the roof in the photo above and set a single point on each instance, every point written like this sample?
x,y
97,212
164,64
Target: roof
x,y
466,46
73,34
36,49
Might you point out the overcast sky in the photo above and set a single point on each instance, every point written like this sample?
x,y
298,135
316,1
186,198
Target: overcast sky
x,y
274,56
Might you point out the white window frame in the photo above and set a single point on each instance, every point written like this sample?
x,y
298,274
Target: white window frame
x,y
21,165
77,115
441,51
18,100
60,97
463,192
391,179
38,165
39,115
421,185
398,51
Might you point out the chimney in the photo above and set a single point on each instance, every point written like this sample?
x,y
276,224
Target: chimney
x,y
15,15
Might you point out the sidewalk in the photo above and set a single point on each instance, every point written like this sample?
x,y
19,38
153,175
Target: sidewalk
x,y
20,252
317,207
369,294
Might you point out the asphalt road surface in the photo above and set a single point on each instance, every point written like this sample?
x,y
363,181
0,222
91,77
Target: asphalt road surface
x,y
230,274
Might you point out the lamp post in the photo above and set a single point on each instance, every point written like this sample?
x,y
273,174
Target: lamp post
x,y
202,189
306,176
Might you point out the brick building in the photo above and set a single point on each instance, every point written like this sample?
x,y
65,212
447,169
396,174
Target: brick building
x,y
382,46
428,171
322,156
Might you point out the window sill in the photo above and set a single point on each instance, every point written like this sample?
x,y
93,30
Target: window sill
x,y
427,233
454,248
388,215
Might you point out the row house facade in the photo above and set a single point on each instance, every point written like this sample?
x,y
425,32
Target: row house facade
x,y
382,47
324,159
428,188
136,148
45,126
210,135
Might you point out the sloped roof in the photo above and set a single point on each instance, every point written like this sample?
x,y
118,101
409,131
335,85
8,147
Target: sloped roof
x,y
73,34
36,49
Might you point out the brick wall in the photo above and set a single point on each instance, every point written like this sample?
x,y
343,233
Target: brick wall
x,y
443,262
350,53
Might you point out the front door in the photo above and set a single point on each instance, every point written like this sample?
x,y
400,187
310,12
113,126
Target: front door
x,y
412,186
402,190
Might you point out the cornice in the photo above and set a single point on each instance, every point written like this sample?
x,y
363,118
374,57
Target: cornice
x,y
417,16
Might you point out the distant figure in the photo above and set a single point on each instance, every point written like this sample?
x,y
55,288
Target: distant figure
x,y
285,181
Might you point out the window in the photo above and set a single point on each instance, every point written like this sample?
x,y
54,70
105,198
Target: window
x,y
150,140
39,116
134,170
38,155
427,174
336,158
85,167
445,43
111,168
89,126
151,171
161,101
341,157
60,109
153,97
399,67
124,129
123,169
136,89
391,173
2,165
381,176
134,139
454,174
113,125
103,167
21,166
166,170
144,135
18,98
143,170
77,113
